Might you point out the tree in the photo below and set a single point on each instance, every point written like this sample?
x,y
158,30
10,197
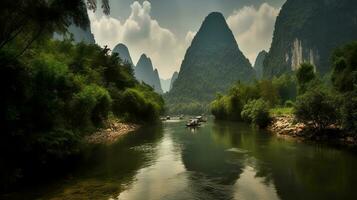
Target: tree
x,y
344,80
22,22
257,112
317,108
304,75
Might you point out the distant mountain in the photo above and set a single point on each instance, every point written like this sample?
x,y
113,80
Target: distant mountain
x,y
144,71
79,34
212,64
259,63
165,84
173,79
123,52
309,31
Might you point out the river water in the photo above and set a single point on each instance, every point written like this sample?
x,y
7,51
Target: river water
x,y
220,160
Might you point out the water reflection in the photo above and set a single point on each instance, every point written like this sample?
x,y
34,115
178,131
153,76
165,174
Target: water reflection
x,y
108,170
220,160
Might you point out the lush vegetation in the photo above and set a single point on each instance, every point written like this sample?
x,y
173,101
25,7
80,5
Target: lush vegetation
x,y
56,92
256,112
321,103
241,99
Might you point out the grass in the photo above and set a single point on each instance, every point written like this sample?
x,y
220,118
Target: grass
x,y
281,111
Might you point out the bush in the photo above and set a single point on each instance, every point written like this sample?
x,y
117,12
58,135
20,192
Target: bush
x,y
289,104
317,108
227,107
91,106
139,105
257,112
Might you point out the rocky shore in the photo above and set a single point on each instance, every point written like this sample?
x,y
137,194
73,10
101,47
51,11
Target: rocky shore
x,y
113,130
286,126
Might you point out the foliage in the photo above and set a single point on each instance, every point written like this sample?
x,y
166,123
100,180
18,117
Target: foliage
x,y
304,75
256,112
24,22
344,80
56,93
140,103
317,107
286,86
270,91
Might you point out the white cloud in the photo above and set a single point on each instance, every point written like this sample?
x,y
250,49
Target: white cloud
x,y
253,28
141,34
189,37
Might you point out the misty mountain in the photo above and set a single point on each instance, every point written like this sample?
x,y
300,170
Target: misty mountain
x,y
259,63
144,71
211,64
309,31
173,79
123,52
165,84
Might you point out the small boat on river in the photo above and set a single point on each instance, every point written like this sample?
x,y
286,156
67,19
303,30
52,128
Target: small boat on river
x,y
201,119
193,123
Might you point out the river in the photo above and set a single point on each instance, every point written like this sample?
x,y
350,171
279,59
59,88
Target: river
x,y
220,160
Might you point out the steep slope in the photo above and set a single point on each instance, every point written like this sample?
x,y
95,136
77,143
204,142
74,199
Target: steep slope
x,y
173,79
259,63
144,71
123,52
308,31
212,64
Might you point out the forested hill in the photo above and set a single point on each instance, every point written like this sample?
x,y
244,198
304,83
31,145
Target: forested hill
x,y
212,63
309,31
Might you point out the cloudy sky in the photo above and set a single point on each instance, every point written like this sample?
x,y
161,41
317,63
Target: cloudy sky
x,y
163,29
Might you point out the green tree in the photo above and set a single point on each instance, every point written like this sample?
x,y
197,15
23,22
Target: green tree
x,y
344,80
256,112
317,108
304,75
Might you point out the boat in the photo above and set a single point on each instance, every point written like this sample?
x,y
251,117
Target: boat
x,y
193,123
200,119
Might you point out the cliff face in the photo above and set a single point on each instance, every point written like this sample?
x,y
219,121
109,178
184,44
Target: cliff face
x,y
309,31
144,71
212,63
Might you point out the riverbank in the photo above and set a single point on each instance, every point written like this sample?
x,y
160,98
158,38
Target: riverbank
x,y
286,126
112,131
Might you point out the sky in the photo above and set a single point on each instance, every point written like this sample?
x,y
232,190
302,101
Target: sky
x,y
164,29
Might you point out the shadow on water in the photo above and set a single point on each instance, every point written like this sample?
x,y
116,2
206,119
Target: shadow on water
x,y
105,171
